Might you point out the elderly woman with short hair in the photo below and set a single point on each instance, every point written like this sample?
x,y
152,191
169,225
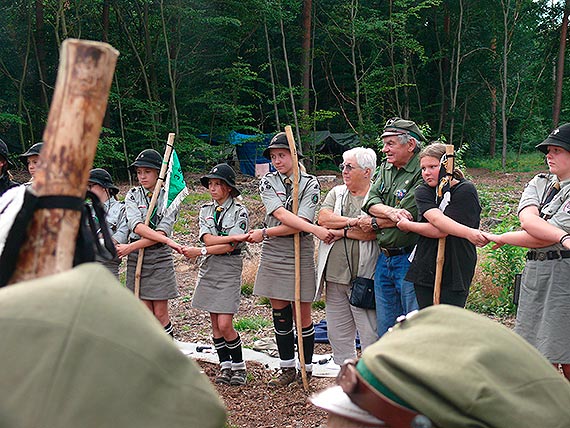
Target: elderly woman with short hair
x,y
353,254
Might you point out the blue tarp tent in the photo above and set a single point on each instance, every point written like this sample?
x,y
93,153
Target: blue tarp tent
x,y
249,150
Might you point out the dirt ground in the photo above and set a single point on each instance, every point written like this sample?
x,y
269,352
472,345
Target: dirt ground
x,y
255,404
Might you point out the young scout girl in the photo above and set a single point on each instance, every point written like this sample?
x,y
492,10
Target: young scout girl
x,y
101,184
31,159
459,223
276,275
223,228
158,281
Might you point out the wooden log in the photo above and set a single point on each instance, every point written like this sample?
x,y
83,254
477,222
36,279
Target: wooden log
x,y
71,135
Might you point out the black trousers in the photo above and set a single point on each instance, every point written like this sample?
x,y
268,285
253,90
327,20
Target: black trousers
x,y
448,297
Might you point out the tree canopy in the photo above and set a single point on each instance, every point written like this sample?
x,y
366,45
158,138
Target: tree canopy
x,y
480,72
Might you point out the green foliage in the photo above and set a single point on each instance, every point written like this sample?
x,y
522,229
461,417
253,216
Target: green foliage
x,y
264,301
254,323
319,304
246,289
500,266
526,162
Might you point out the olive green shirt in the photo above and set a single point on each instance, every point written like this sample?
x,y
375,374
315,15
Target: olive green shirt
x,y
395,187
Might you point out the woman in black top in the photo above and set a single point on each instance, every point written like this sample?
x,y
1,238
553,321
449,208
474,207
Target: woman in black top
x,y
459,222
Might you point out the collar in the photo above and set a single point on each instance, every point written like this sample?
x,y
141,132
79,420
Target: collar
x,y
227,203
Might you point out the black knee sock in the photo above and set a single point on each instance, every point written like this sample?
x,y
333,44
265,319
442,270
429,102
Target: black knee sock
x,y
283,324
234,347
308,343
169,328
223,352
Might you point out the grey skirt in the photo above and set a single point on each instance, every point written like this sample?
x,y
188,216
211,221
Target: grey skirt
x,y
158,281
111,265
219,284
543,316
276,274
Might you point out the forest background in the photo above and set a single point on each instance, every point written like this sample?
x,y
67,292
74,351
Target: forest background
x,y
484,74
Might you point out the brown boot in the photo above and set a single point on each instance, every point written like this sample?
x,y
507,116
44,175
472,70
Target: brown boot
x,y
287,376
300,377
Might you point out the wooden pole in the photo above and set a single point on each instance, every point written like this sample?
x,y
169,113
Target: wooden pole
x,y
440,259
152,204
72,132
297,242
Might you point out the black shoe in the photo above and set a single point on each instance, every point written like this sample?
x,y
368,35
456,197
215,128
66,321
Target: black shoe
x,y
224,377
239,377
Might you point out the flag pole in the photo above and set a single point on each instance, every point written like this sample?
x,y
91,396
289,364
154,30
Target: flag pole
x,y
155,193
440,259
297,243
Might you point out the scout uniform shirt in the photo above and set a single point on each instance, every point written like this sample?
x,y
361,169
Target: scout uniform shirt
x,y
230,218
395,187
116,220
136,204
277,191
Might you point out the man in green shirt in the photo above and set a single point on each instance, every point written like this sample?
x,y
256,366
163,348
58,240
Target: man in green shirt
x,y
391,199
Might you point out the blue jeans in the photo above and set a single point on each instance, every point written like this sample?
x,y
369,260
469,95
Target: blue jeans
x,y
394,295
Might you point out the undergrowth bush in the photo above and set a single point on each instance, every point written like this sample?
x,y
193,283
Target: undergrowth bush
x,y
500,266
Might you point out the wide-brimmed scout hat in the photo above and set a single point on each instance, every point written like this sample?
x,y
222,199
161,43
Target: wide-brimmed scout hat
x,y
559,137
34,150
101,177
5,153
456,368
279,141
148,158
94,357
225,173
399,126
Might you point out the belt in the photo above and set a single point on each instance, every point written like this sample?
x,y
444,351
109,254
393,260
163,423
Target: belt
x,y
233,253
301,234
367,398
548,255
390,252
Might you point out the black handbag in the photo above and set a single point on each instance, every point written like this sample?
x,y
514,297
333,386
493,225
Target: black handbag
x,y
362,293
361,289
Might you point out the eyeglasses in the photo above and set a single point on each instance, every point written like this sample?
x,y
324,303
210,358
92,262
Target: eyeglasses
x,y
348,167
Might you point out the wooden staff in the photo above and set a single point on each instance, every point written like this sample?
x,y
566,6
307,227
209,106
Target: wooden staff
x,y
449,151
71,135
155,193
297,242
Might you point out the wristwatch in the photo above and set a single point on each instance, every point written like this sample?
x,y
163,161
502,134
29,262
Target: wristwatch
x,y
374,223
264,233
203,251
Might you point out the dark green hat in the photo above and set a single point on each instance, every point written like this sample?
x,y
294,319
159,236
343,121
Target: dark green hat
x,y
399,126
279,141
225,173
459,369
103,179
148,158
559,137
94,357
34,150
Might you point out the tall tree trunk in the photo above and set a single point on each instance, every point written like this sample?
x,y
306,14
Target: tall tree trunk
x,y
560,67
353,47
105,21
454,75
172,55
444,72
291,95
493,121
393,63
270,62
307,20
21,96
39,40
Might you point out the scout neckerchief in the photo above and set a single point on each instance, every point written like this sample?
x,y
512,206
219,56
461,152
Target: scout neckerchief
x,y
548,196
219,214
154,217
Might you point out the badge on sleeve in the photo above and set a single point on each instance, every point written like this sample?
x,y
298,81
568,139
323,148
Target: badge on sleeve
x,y
243,226
315,198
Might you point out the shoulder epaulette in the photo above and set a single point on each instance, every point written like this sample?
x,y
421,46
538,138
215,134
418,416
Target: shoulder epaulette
x,y
207,204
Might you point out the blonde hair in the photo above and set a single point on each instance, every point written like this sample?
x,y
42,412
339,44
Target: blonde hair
x,y
437,150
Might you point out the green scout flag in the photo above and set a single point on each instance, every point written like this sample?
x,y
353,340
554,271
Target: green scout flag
x,y
174,185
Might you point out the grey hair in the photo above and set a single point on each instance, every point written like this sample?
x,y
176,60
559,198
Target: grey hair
x,y
366,158
405,138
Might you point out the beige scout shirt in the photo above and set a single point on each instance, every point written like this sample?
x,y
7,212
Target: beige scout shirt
x,y
274,195
232,219
137,201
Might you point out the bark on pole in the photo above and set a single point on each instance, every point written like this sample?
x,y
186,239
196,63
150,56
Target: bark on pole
x,y
72,132
297,243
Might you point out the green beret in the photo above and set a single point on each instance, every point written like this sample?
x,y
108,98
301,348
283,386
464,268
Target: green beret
x,y
79,350
461,369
